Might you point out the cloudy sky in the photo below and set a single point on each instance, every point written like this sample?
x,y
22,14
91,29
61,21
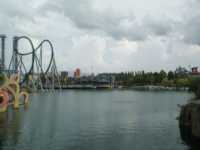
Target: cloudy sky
x,y
109,35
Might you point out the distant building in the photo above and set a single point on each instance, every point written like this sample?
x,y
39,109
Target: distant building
x,y
181,72
77,73
104,78
64,74
194,71
64,77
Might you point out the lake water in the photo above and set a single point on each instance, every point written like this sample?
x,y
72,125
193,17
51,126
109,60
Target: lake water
x,y
95,120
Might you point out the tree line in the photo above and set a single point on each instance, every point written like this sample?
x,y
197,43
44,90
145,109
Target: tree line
x,y
175,78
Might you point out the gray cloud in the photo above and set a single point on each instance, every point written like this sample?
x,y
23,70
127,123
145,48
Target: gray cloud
x,y
118,25
109,38
191,25
192,30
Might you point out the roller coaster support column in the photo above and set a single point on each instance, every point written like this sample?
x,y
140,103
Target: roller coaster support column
x,y
3,37
15,51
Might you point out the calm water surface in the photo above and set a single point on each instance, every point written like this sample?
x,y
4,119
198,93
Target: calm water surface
x,y
95,120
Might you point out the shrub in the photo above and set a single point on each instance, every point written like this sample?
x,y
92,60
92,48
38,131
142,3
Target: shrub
x,y
194,86
2,79
166,82
183,82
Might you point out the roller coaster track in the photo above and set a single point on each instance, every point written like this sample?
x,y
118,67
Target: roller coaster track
x,y
34,76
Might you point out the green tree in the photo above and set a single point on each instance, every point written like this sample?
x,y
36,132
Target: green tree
x,y
194,85
162,75
170,75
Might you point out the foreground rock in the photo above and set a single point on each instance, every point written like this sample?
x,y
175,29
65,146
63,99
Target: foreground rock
x,y
189,123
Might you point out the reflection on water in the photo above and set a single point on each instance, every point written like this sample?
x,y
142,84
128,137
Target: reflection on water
x,y
97,120
9,128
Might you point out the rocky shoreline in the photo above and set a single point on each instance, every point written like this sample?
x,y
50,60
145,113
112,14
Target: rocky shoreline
x,y
189,123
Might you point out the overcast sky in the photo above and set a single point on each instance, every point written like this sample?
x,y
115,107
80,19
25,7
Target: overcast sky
x,y
109,35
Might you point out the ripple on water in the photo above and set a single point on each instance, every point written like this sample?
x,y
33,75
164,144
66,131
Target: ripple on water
x,y
95,120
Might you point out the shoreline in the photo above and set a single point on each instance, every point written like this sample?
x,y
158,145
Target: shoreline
x,y
136,88
158,88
